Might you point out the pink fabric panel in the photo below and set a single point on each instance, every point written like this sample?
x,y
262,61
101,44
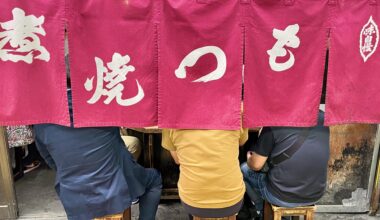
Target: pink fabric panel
x,y
200,53
354,65
33,79
113,61
285,55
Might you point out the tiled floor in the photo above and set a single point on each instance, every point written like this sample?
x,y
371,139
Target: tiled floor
x,y
37,200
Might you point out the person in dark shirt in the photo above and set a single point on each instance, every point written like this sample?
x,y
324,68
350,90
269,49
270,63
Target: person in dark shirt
x,y
96,174
298,180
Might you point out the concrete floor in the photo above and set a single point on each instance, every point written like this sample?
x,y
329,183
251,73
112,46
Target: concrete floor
x,y
37,200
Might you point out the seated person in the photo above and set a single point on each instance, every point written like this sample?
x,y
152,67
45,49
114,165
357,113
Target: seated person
x,y
210,183
296,159
96,175
133,145
23,153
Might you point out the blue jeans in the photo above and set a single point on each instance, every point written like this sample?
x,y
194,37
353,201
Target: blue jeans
x,y
149,201
256,188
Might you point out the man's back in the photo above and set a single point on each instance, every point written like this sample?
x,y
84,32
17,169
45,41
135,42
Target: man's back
x,y
73,140
301,178
210,175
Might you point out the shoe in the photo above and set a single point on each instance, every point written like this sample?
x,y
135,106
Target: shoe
x,y
135,201
30,167
17,175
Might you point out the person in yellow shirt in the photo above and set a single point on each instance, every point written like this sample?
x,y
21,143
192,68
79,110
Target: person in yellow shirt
x,y
210,184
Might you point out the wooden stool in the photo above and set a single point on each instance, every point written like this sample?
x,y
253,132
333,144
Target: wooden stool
x,y
275,212
225,218
121,216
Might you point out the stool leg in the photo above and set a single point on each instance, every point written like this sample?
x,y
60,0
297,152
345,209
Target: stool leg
x,y
224,218
309,215
110,217
127,214
268,212
277,215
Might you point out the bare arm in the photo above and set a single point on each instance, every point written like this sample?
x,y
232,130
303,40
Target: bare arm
x,y
168,144
174,156
255,161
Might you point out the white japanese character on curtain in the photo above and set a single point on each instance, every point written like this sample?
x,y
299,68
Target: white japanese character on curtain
x,y
369,39
109,81
19,39
192,58
284,38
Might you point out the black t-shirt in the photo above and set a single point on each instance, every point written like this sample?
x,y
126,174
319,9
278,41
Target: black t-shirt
x,y
301,178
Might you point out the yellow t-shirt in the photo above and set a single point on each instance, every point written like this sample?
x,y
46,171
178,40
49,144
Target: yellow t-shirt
x,y
210,175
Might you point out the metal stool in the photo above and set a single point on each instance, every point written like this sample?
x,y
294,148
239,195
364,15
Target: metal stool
x,y
275,212
126,215
225,218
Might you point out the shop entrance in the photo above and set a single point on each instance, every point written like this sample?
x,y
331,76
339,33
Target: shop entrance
x,y
353,147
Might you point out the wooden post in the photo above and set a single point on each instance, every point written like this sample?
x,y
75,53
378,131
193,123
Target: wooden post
x,y
375,197
9,208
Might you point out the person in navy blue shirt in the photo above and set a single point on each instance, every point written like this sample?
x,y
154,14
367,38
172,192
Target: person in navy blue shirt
x,y
299,178
96,175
